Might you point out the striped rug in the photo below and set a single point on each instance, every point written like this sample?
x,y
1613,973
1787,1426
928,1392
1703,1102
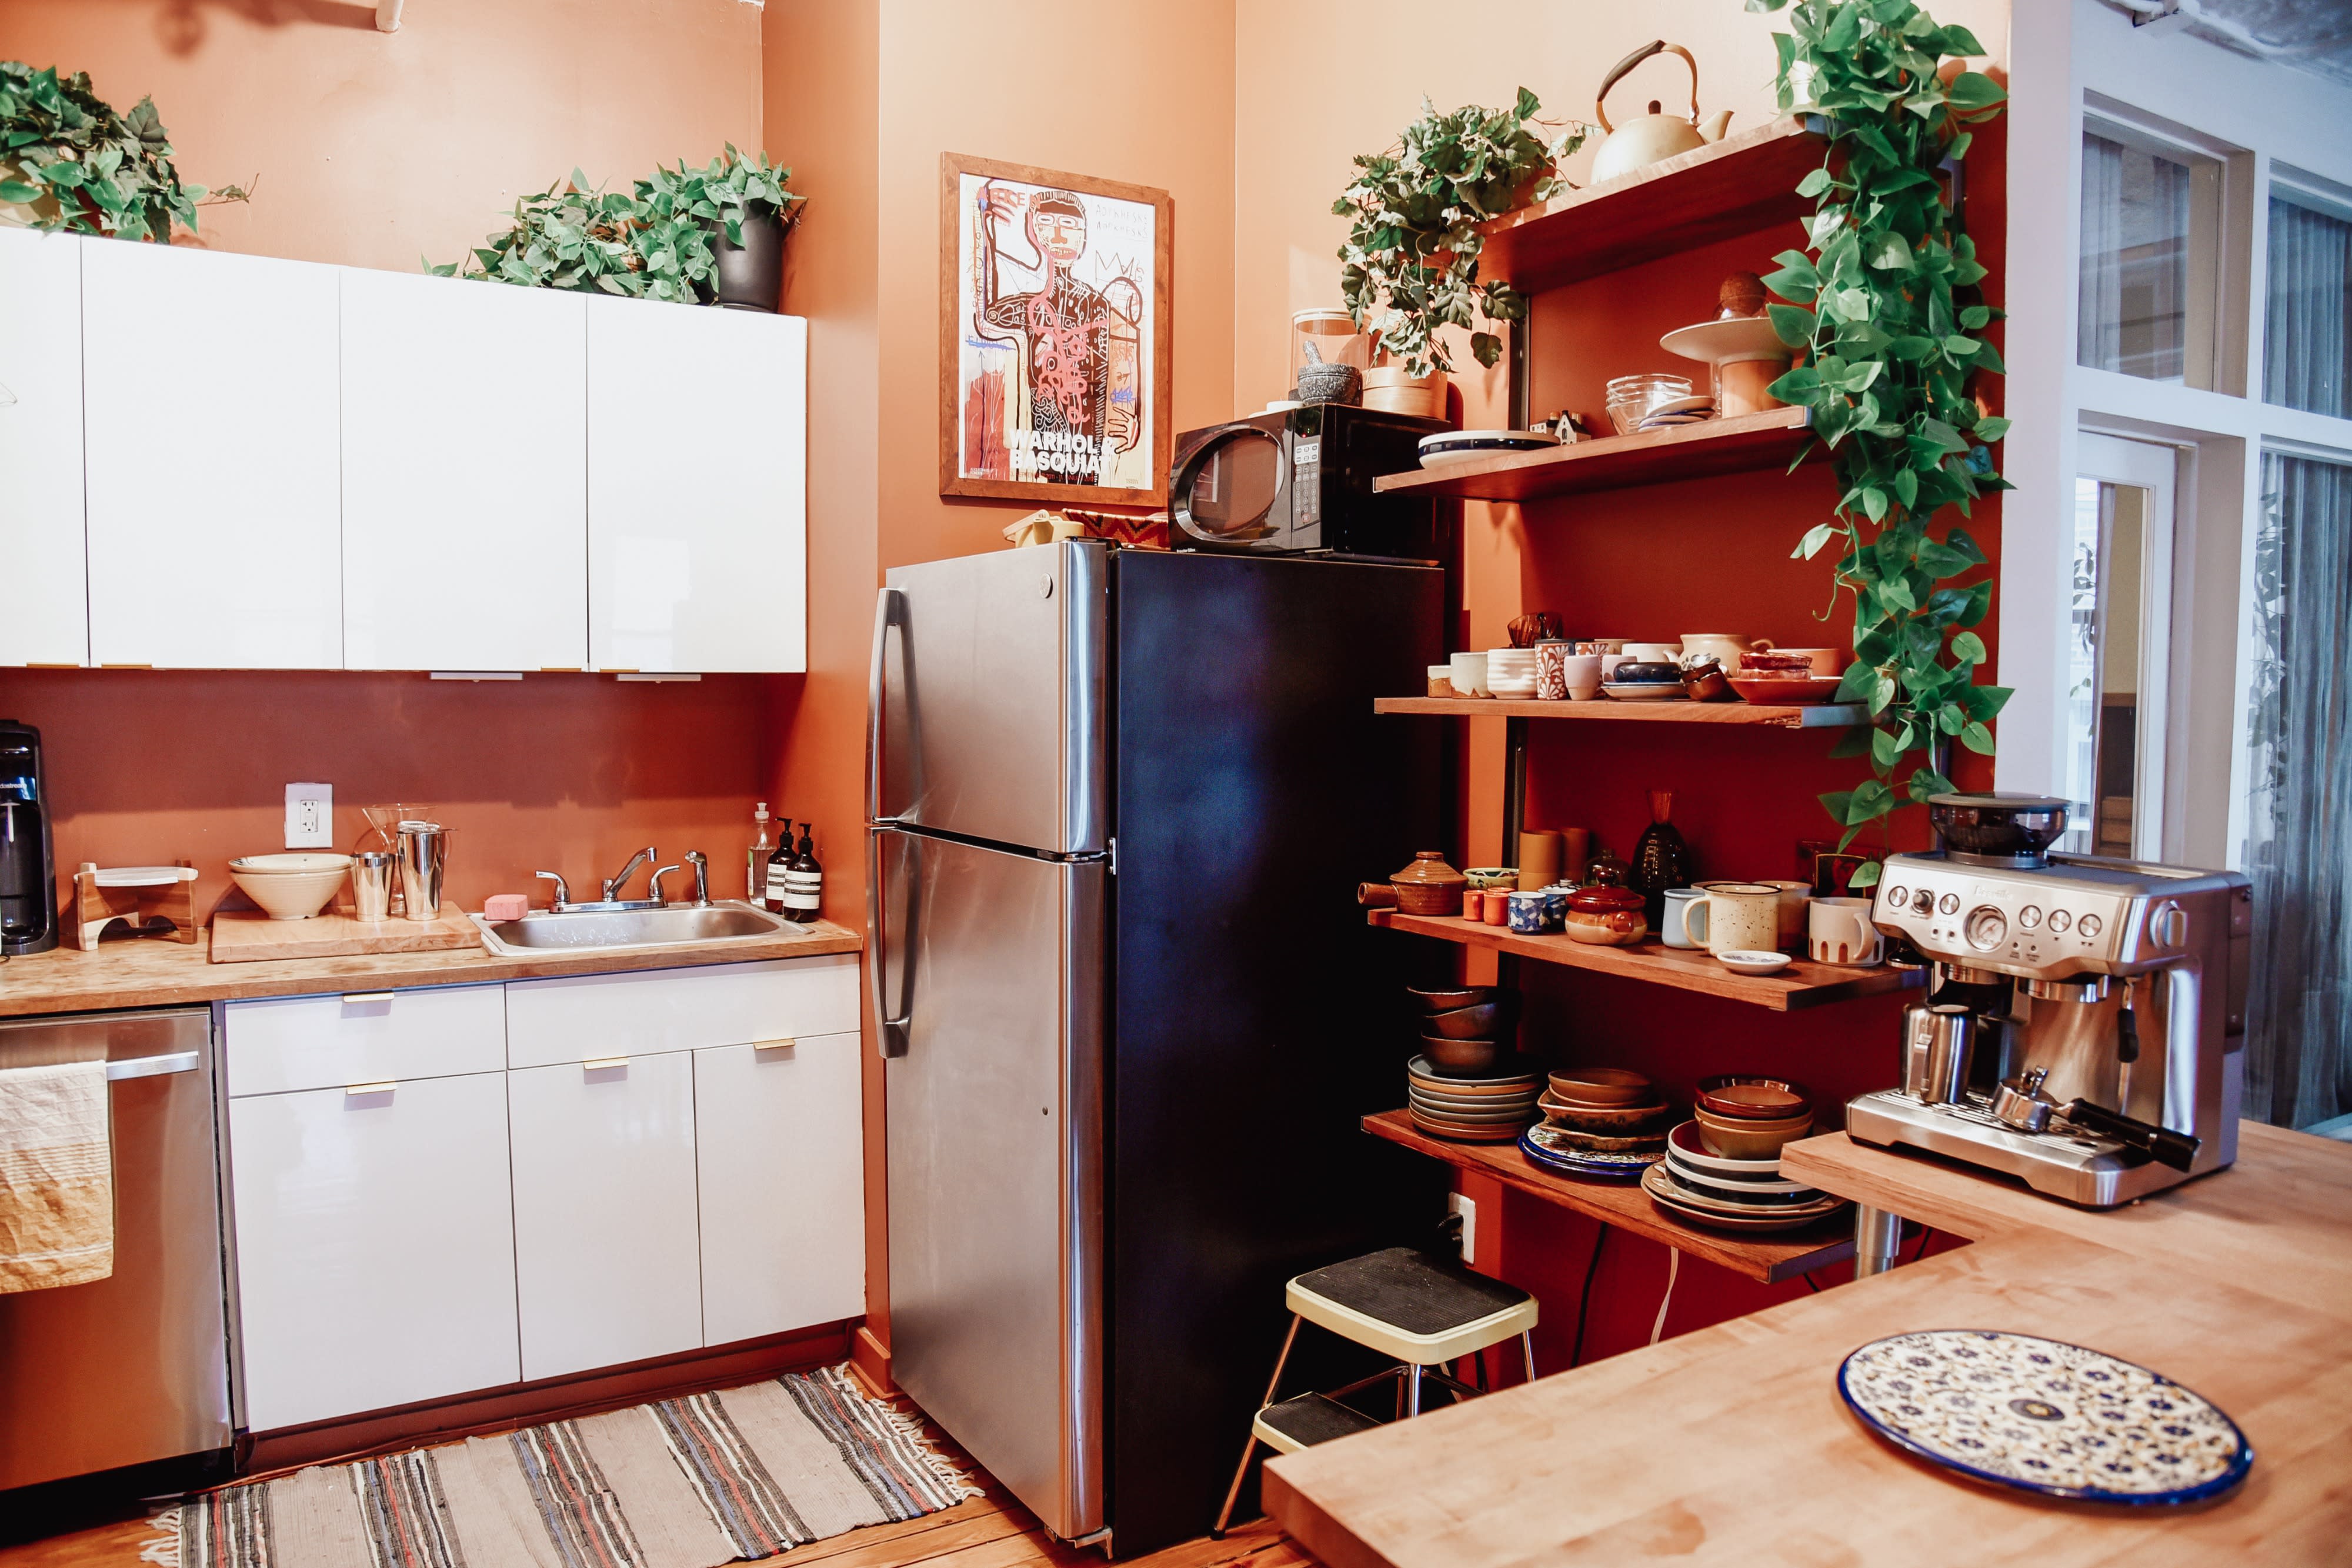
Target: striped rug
x,y
682,1483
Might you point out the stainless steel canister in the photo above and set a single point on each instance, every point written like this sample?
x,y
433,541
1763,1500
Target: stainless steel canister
x,y
1936,1044
371,872
424,853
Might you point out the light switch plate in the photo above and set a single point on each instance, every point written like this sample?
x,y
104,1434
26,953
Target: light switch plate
x,y
309,817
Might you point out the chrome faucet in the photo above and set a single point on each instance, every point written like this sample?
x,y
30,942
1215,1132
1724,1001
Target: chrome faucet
x,y
701,864
562,891
647,856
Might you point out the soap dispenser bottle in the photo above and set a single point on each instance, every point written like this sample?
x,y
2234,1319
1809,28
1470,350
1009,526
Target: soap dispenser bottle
x,y
803,882
755,859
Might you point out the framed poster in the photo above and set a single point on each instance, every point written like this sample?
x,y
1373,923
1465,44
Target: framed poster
x,y
1053,343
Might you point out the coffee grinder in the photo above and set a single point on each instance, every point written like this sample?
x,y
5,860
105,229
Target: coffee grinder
x,y
29,873
2086,1028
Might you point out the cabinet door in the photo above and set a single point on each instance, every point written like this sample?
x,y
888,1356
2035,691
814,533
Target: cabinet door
x,y
465,477
44,608
606,1266
778,1148
374,1246
209,392
697,488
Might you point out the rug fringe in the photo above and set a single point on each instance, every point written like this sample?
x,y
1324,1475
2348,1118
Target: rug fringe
x,y
162,1548
943,1469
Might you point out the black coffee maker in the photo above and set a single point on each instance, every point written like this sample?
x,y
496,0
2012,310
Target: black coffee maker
x,y
29,873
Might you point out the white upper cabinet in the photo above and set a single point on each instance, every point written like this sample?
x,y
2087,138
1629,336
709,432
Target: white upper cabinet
x,y
209,390
465,475
46,618
696,491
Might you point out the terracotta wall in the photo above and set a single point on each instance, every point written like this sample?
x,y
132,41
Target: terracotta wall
x,y
369,149
372,148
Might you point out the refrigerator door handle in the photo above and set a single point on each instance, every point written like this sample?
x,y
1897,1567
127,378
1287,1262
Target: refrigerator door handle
x,y
891,1036
890,610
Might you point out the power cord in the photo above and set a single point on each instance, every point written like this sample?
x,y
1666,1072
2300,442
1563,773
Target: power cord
x,y
1674,1268
1584,1300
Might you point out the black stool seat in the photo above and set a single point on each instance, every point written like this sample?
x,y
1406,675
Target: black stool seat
x,y
1406,1303
1309,1419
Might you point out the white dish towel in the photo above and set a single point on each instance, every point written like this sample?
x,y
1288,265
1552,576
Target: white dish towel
x,y
57,1177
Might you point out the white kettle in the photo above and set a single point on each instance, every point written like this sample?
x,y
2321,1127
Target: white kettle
x,y
1644,140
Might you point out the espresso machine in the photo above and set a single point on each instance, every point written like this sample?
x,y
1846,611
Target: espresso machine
x,y
2085,1030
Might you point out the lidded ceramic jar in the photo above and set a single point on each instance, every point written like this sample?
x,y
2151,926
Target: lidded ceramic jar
x,y
1429,886
1607,917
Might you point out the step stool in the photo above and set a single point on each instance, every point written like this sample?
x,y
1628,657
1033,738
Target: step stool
x,y
1424,1311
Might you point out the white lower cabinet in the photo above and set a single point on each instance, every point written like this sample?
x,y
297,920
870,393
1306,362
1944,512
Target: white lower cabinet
x,y
779,1154
607,1269
376,1246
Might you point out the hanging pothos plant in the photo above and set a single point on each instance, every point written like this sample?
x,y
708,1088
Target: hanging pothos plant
x,y
1887,313
69,160
1411,263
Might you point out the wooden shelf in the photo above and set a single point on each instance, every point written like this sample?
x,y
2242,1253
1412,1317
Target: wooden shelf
x,y
1750,442
1803,984
1770,1258
1735,186
1754,715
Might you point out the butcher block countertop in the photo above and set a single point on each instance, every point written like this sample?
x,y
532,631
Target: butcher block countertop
x,y
1730,1444
149,972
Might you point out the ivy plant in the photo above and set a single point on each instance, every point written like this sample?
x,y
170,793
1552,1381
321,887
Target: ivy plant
x,y
1410,262
75,164
1886,309
656,241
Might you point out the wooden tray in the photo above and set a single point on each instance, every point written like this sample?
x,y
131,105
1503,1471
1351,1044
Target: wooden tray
x,y
242,936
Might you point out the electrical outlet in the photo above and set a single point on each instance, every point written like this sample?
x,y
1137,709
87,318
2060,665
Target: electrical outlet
x,y
1467,1207
309,817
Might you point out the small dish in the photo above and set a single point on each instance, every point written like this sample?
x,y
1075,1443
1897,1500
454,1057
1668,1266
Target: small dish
x,y
1680,1163
1753,1097
1446,1001
1613,1118
1646,692
1765,690
1752,961
1568,1138
1465,1057
1659,1184
1516,1074
1479,1021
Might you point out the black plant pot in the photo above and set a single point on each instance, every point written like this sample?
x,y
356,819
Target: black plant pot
x,y
752,275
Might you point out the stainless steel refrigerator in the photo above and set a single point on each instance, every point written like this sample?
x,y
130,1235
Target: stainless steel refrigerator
x,y
1119,801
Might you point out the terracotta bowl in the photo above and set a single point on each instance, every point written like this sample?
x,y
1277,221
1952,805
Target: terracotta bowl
x,y
1737,1140
1485,1021
1753,1097
1445,1001
1452,1056
1602,1086
1575,1117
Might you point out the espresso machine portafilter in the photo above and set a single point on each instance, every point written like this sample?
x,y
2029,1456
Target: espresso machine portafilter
x,y
2085,1030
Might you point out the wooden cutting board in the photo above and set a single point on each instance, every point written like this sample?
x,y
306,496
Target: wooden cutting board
x,y
242,936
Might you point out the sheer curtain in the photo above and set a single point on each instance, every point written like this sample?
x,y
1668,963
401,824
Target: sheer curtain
x,y
2308,329
2133,287
2299,848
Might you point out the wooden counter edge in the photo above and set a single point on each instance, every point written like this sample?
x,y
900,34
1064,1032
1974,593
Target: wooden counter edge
x,y
1305,1521
141,973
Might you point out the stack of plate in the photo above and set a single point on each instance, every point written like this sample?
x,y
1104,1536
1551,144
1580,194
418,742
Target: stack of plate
x,y
1489,1107
1459,446
1677,411
1608,1122
1701,1187
1511,671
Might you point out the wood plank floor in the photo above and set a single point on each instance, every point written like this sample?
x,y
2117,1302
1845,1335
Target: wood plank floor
x,y
988,1531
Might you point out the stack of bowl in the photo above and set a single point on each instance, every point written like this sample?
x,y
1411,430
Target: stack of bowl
x,y
1604,1122
1511,671
1488,1107
291,886
1730,1179
1465,1031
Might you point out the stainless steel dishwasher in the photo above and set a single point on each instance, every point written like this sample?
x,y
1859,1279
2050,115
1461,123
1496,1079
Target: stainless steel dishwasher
x,y
131,1370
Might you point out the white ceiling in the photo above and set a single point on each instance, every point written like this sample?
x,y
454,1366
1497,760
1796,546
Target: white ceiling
x,y
2313,35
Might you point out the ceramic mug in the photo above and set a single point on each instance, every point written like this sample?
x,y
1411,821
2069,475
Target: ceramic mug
x,y
1600,644
1526,912
1652,653
1551,679
1724,647
1581,675
1469,675
1841,932
1794,897
1672,927
1732,917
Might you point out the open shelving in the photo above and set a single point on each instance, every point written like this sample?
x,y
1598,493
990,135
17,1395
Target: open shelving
x,y
1751,715
1750,441
1802,984
1769,1258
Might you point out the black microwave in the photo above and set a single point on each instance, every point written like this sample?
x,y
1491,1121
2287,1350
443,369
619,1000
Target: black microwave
x,y
1302,481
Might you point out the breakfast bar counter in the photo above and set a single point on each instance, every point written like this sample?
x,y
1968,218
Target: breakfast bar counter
x,y
1732,1444
148,973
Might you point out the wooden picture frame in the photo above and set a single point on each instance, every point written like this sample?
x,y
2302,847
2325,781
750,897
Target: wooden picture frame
x,y
1078,270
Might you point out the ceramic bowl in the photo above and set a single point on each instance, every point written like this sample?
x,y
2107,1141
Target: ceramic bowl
x,y
1753,1097
1602,1087
1481,1021
1635,673
1446,1001
1460,1056
1613,1118
1604,1144
1485,877
1767,690
1752,961
1739,1140
1686,1145
291,892
1605,917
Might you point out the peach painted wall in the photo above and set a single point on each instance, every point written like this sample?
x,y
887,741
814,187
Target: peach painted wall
x,y
374,148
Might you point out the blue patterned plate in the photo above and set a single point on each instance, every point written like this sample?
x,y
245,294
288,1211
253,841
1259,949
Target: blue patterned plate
x,y
1544,1150
2040,1415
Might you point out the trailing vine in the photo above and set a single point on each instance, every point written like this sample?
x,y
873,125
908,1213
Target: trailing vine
x,y
1410,265
1886,309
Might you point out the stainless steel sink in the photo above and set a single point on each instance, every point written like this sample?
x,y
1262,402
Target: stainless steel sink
x,y
672,925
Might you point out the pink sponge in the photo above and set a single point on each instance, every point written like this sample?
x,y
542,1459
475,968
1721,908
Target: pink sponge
x,y
505,907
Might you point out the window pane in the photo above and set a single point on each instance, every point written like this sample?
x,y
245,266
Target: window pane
x,y
2135,279
2306,327
2080,760
2105,651
2298,852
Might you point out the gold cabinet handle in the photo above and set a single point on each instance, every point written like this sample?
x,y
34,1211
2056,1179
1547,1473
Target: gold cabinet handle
x,y
594,1063
787,1044
354,999
355,1089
